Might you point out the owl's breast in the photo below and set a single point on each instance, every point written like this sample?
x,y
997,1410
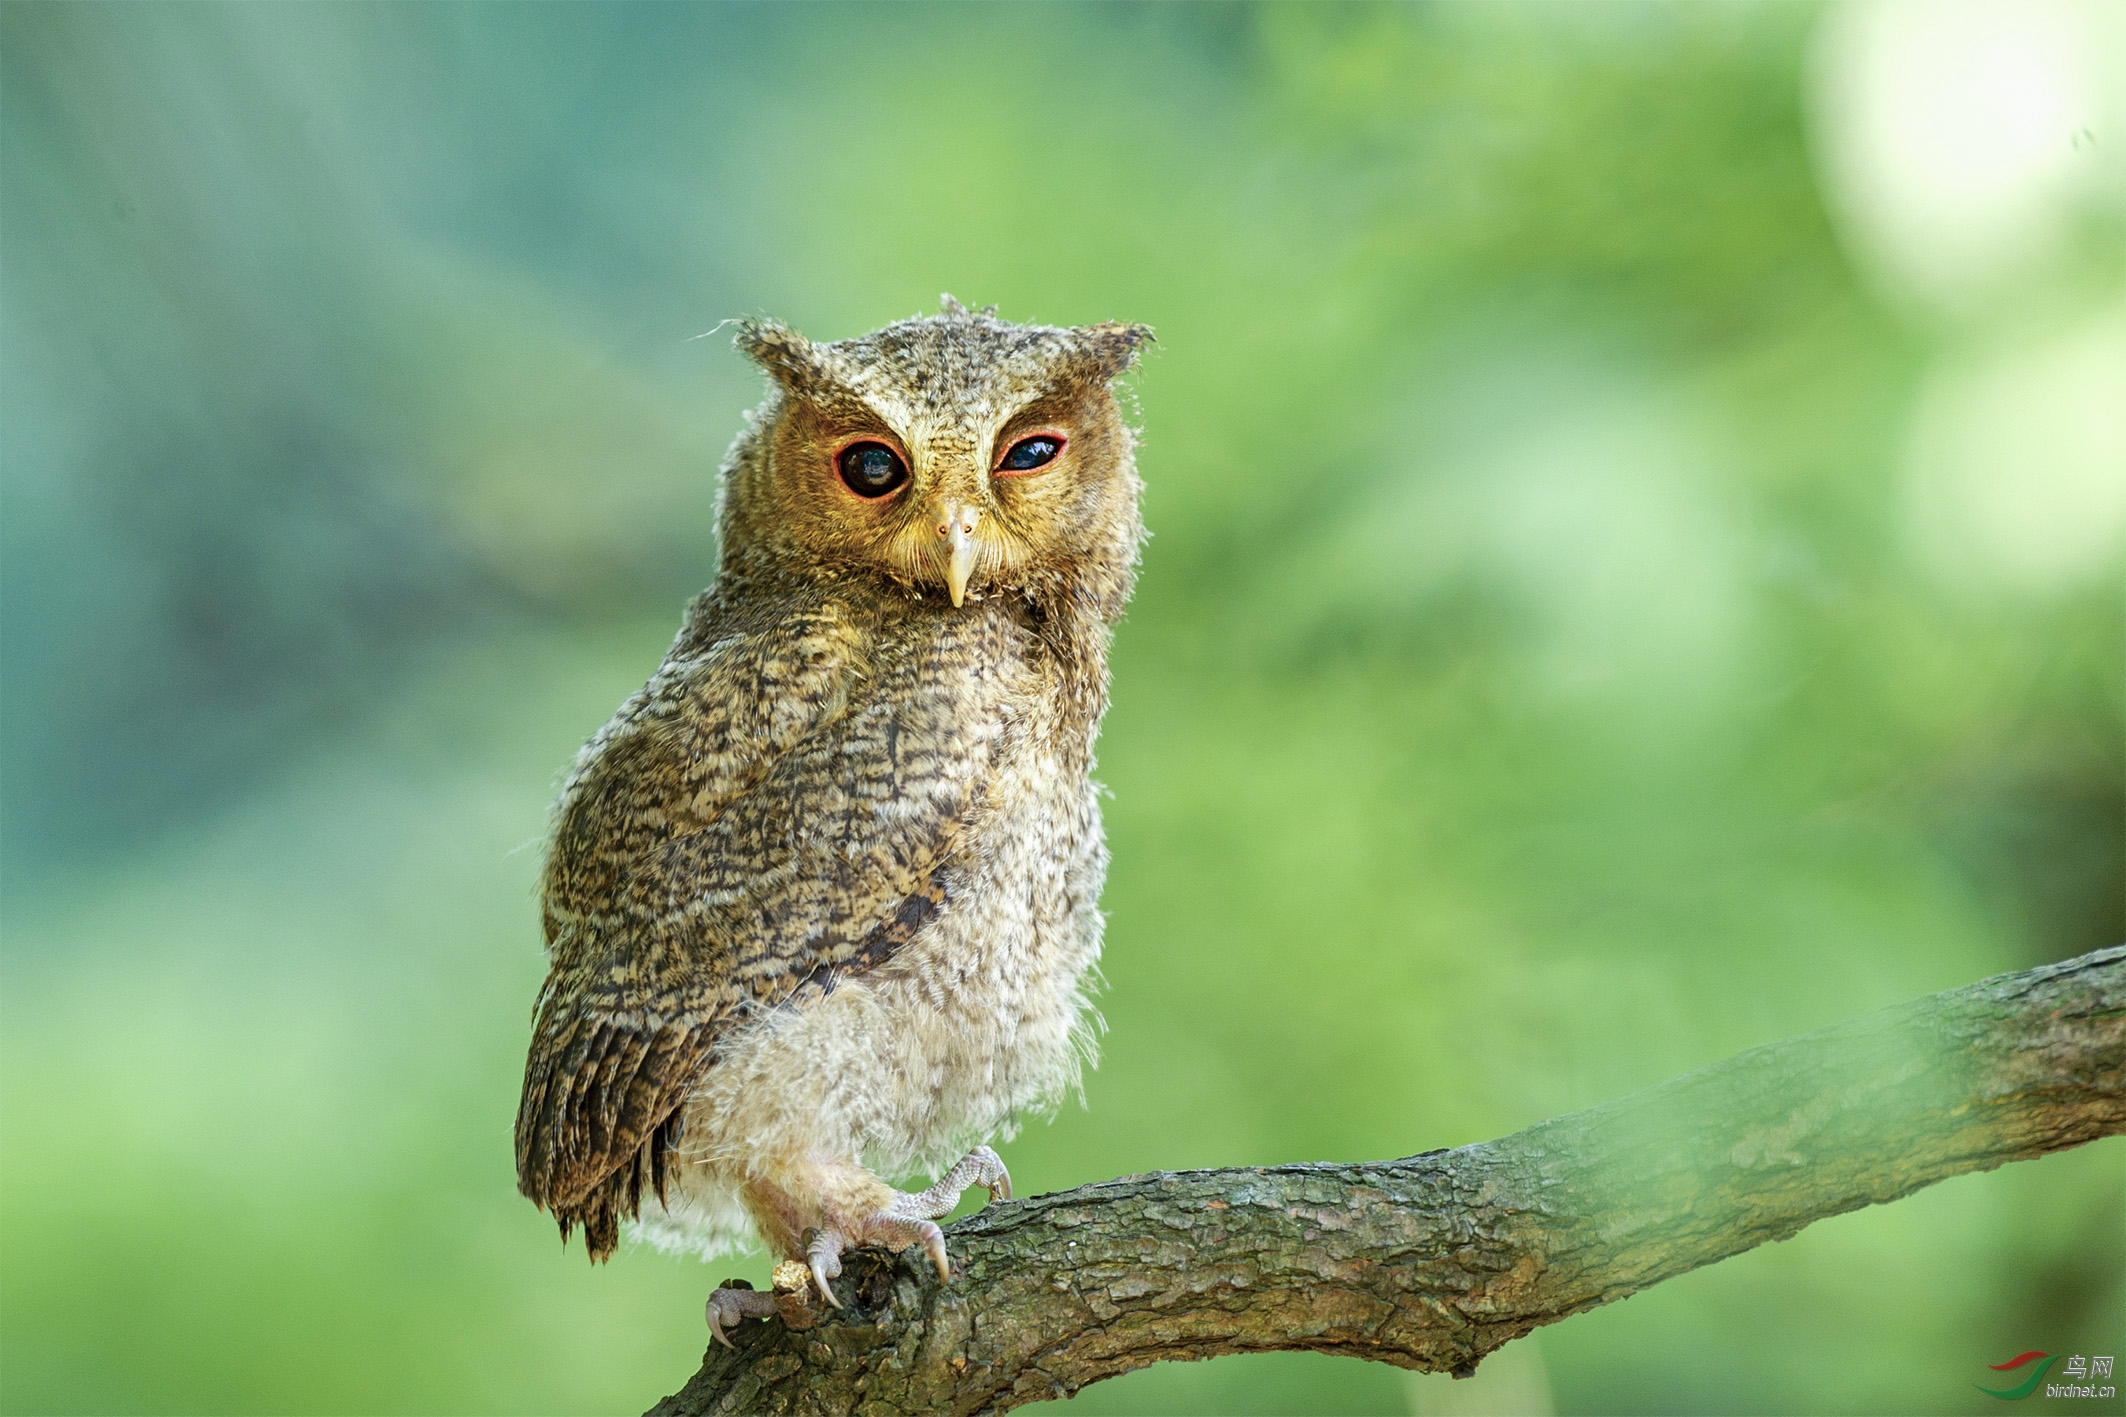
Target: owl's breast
x,y
987,1005
1023,881
981,1015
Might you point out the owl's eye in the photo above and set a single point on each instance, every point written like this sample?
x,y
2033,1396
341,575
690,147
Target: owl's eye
x,y
872,469
1028,454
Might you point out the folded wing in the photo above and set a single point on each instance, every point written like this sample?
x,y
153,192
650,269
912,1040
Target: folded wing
x,y
772,813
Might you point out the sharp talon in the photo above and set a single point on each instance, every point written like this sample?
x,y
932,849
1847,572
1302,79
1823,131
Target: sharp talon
x,y
714,1313
992,1172
934,1246
820,1276
823,1250
728,1308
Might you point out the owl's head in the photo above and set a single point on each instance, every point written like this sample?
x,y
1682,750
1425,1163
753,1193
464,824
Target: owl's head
x,y
955,455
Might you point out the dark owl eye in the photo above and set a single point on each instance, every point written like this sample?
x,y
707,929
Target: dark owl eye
x,y
872,469
1030,453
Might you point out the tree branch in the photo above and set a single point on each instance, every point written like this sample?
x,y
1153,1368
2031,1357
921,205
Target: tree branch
x,y
1433,1261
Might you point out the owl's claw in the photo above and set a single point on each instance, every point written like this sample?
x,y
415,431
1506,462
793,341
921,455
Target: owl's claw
x,y
934,1246
903,1223
980,1167
727,1308
823,1251
912,1219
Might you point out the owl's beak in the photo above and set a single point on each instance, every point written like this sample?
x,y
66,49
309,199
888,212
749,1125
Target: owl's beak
x,y
955,528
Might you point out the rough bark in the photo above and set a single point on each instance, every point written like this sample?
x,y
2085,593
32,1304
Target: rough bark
x,y
1435,1260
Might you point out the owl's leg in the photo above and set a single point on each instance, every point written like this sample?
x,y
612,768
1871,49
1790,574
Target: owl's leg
x,y
850,1208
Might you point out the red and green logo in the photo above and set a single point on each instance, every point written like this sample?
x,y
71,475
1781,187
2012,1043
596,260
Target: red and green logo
x,y
2027,1385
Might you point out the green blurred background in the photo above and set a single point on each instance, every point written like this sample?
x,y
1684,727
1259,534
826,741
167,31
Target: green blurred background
x,y
1638,493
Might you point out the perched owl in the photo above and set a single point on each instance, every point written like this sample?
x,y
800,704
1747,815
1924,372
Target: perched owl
x,y
822,897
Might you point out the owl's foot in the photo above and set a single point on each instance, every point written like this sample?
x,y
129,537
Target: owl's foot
x,y
728,1307
905,1221
980,1167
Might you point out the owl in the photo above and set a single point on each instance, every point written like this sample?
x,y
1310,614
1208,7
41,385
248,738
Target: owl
x,y
822,898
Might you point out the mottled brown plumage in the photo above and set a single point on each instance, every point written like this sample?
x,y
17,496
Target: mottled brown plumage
x,y
822,896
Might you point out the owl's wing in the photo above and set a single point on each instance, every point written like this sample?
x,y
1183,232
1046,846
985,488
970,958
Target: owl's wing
x,y
761,839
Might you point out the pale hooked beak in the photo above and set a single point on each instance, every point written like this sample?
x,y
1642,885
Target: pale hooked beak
x,y
955,528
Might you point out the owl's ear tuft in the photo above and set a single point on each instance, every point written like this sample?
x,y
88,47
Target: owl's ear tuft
x,y
1111,347
782,351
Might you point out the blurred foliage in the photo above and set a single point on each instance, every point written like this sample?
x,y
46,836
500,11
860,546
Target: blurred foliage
x,y
1533,691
